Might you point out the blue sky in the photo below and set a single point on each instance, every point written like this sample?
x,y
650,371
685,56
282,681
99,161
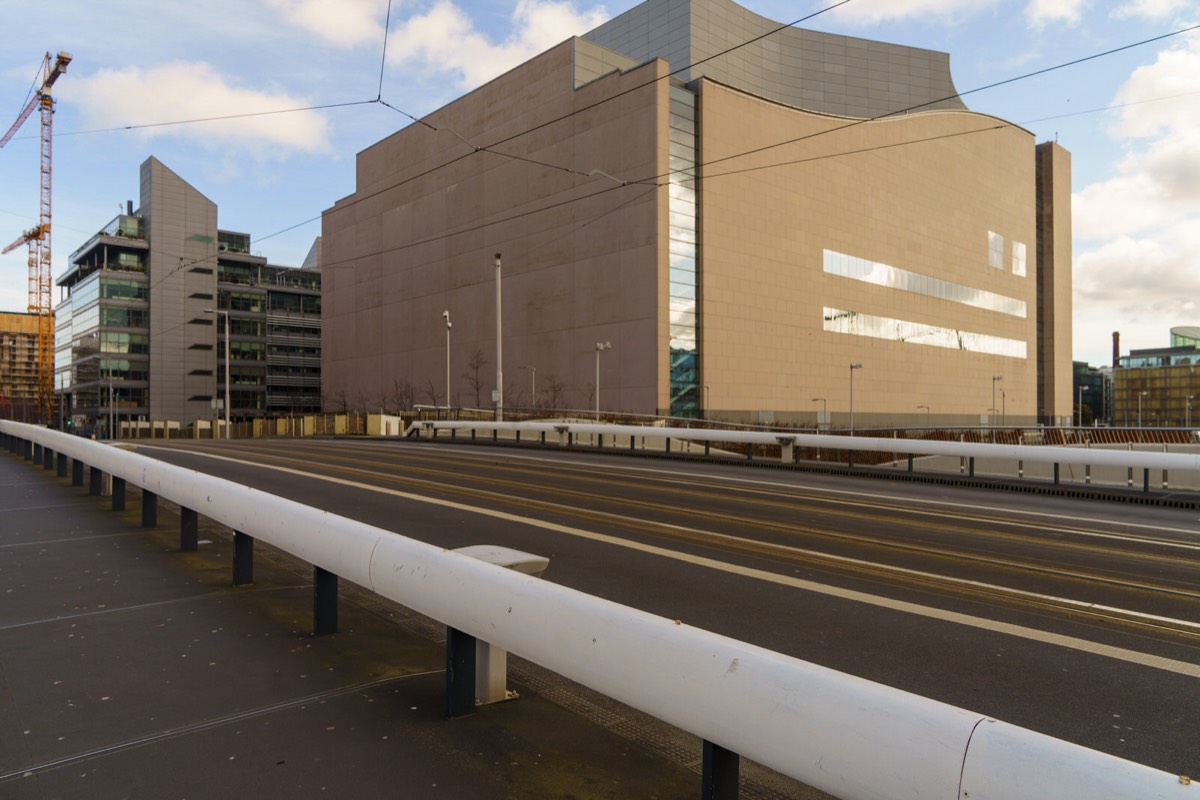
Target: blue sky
x,y
1136,168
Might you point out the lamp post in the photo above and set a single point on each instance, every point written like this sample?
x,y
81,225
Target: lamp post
x,y
927,424
219,312
532,383
993,411
824,411
499,398
1188,422
852,368
599,347
1082,389
446,316
707,406
1140,396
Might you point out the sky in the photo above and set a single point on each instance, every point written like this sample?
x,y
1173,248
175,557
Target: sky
x,y
1131,119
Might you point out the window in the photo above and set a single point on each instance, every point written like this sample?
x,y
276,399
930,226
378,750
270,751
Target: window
x,y
1018,258
995,250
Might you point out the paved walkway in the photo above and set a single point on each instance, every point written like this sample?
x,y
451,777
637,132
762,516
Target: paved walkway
x,y
129,669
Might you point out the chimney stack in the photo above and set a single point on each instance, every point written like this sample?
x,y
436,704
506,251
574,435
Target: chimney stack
x,y
1116,348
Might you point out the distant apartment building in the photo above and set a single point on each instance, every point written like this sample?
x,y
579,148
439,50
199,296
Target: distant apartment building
x,y
19,366
767,224
140,333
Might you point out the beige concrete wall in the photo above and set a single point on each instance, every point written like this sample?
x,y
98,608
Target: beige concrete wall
x,y
918,193
581,253
1054,219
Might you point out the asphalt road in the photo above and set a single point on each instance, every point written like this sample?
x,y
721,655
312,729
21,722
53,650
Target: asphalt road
x,y
1079,619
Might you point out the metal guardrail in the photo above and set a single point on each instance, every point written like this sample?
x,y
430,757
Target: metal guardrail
x,y
847,736
1043,454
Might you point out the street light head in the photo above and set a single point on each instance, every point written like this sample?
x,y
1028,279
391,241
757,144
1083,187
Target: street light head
x,y
603,345
856,366
997,377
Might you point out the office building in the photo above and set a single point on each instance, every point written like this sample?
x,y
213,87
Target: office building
x,y
744,231
1159,387
138,334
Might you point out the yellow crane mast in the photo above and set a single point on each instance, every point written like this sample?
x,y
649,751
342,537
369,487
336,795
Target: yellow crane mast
x,y
38,238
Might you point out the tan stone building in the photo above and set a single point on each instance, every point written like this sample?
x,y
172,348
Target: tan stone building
x,y
19,367
741,233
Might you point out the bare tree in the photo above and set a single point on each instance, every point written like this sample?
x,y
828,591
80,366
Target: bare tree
x,y
341,401
404,394
554,391
431,391
478,361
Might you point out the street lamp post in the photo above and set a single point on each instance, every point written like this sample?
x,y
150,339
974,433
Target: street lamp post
x,y
446,316
707,406
1082,389
499,350
599,347
219,312
824,411
532,384
1188,420
993,411
1140,396
852,368
927,424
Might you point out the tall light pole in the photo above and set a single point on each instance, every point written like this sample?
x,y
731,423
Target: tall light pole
x,y
824,411
499,398
600,346
1188,422
219,312
707,405
1140,396
532,383
852,368
993,411
446,316
926,415
1082,389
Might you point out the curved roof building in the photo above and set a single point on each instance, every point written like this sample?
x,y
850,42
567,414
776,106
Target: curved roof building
x,y
741,227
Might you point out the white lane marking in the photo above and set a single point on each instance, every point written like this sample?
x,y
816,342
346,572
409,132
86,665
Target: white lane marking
x,y
854,495
1032,634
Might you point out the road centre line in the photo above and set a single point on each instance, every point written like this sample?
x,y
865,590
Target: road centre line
x,y
1021,631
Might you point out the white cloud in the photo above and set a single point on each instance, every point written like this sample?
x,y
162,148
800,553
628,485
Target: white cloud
x,y
872,12
1151,9
343,22
444,38
190,91
1144,267
1040,13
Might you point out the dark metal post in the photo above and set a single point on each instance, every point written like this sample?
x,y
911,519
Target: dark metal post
x,y
910,462
971,467
47,458
149,509
1146,479
325,602
243,559
460,673
62,465
720,773
118,494
76,472
36,455
27,450
1056,473
189,530
96,481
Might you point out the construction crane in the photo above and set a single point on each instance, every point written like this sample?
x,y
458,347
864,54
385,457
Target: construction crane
x,y
38,237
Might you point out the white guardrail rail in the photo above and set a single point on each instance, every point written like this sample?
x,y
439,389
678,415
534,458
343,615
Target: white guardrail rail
x,y
850,737
1043,454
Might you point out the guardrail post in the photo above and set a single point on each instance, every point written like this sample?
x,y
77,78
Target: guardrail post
x,y
61,466
850,459
1146,480
910,462
27,450
76,472
118,494
325,602
36,455
1087,473
1056,473
460,673
667,445
243,559
1129,480
719,779
787,451
1165,483
189,530
749,451
47,458
96,481
971,467
149,509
